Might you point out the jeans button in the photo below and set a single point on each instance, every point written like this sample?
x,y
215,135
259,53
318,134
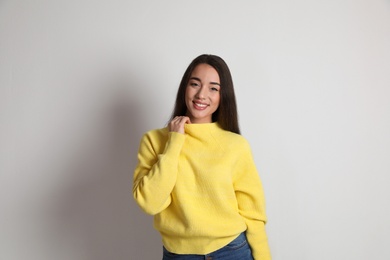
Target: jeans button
x,y
209,258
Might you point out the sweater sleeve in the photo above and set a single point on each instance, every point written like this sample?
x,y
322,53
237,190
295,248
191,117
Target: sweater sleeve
x,y
156,172
251,204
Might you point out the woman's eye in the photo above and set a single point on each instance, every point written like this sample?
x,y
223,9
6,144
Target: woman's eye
x,y
214,89
193,84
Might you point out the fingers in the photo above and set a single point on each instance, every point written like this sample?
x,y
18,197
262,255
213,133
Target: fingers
x,y
185,120
181,119
177,124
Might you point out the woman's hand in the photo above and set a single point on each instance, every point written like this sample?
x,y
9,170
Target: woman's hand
x,y
177,124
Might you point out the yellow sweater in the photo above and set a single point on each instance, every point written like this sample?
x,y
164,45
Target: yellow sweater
x,y
202,188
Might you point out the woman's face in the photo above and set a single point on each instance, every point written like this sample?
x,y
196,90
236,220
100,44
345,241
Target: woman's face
x,y
202,94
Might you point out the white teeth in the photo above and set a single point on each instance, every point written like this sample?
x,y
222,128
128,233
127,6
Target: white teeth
x,y
200,105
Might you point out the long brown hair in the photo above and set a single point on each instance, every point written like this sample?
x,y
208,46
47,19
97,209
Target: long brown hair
x,y
226,115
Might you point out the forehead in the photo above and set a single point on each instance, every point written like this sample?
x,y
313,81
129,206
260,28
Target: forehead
x,y
206,72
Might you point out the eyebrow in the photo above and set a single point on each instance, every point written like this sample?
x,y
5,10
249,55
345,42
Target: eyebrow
x,y
212,83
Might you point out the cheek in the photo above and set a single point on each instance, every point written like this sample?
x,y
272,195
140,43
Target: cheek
x,y
217,99
188,98
189,92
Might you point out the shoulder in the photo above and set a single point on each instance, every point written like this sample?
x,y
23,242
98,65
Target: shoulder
x,y
233,140
155,136
157,132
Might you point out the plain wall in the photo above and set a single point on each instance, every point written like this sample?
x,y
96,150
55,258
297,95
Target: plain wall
x,y
80,81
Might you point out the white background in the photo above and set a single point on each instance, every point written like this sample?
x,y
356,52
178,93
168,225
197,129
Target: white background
x,y
80,81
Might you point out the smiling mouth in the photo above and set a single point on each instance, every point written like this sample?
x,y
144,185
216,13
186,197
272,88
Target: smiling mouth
x,y
200,105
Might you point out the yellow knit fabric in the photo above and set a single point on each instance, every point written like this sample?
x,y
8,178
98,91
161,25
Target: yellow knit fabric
x,y
202,188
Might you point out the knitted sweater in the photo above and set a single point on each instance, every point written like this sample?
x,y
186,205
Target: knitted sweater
x,y
202,188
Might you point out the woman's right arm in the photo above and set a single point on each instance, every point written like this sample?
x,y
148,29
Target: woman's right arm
x,y
156,172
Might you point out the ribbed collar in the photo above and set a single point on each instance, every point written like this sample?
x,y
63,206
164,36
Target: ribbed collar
x,y
201,130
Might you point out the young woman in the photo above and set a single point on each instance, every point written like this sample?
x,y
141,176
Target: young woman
x,y
197,175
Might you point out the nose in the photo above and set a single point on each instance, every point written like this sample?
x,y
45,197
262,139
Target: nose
x,y
201,94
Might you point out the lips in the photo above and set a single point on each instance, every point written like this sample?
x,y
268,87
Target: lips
x,y
200,106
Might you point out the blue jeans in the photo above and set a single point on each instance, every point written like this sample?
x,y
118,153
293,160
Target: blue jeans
x,y
238,249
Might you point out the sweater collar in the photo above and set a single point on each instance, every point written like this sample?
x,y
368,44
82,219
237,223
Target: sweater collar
x,y
199,130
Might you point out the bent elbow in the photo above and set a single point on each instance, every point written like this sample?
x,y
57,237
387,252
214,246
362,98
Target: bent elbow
x,y
150,206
